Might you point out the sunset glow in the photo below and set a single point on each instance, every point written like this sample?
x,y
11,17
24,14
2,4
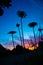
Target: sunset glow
x,y
10,48
27,46
30,47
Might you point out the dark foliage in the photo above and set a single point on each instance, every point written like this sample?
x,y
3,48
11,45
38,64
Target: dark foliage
x,y
17,25
11,32
21,14
3,51
1,11
33,24
3,4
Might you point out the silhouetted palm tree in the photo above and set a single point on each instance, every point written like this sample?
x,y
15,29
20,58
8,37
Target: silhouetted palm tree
x,y
32,25
22,15
12,32
3,4
17,25
40,32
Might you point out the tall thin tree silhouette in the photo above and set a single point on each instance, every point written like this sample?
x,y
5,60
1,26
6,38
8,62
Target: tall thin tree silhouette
x,y
40,32
32,25
12,33
18,25
3,4
22,15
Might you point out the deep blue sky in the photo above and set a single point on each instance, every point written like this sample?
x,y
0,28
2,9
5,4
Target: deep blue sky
x,y
34,10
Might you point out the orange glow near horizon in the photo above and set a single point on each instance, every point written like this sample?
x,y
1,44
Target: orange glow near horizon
x,y
27,46
30,47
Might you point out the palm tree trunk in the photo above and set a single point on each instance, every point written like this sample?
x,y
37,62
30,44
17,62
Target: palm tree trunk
x,y
34,35
39,35
20,35
12,40
31,41
22,32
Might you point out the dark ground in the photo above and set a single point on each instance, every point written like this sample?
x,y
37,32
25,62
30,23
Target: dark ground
x,y
21,56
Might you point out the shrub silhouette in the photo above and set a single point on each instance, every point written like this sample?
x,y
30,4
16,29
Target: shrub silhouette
x,y
40,32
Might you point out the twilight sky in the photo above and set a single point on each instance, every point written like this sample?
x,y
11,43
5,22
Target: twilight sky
x,y
34,11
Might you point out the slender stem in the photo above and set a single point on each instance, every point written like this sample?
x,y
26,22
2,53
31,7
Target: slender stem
x,y
13,40
31,41
22,32
20,35
39,35
41,32
34,35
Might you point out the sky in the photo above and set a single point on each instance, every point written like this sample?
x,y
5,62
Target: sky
x,y
34,11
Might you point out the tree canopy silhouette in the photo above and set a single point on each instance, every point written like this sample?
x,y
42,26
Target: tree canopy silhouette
x,y
33,24
40,33
21,14
40,30
17,25
1,11
3,4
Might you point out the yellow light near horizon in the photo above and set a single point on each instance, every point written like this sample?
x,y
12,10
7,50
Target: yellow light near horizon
x,y
31,48
27,46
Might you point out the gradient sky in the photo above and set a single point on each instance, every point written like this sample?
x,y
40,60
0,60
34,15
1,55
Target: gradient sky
x,y
34,11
